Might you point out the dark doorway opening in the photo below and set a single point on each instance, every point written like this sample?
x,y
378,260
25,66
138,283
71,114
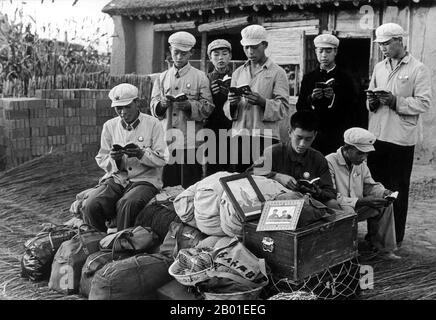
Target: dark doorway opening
x,y
353,57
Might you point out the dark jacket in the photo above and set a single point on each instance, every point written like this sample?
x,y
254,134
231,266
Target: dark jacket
x,y
335,120
217,120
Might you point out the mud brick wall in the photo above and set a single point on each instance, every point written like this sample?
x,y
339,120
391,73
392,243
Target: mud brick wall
x,y
55,120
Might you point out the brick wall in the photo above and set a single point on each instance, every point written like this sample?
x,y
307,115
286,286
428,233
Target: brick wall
x,y
61,120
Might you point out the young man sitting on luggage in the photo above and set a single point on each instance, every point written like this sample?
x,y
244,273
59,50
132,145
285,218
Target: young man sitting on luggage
x,y
358,191
288,162
132,153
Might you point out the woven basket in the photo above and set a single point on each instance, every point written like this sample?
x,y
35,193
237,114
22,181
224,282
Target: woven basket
x,y
186,278
243,295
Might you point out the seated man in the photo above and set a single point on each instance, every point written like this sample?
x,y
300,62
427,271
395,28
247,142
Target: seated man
x,y
133,174
288,162
358,191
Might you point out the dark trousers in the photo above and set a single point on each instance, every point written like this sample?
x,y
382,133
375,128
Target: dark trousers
x,y
249,149
184,174
222,150
109,200
391,165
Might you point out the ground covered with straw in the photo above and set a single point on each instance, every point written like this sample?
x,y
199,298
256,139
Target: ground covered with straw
x,y
41,191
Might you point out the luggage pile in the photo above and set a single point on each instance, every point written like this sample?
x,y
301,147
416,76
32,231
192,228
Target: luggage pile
x,y
194,242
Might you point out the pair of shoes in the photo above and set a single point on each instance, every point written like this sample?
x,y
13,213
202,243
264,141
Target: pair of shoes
x,y
389,256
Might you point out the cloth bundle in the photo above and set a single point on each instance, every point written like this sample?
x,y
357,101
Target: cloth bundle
x,y
207,207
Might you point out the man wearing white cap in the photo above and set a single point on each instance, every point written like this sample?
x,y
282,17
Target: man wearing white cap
x,y
256,114
220,54
334,103
358,191
178,116
399,91
132,153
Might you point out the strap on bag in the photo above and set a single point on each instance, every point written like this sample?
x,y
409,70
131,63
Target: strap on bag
x,y
118,238
79,236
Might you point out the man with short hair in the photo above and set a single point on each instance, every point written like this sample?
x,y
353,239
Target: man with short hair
x,y
335,103
289,162
185,117
220,54
357,191
256,114
132,153
400,90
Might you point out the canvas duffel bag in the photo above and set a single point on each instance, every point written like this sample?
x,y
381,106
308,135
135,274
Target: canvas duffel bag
x,y
180,236
70,258
95,262
134,278
134,240
158,217
39,251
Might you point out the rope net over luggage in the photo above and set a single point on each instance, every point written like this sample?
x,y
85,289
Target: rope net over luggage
x,y
338,282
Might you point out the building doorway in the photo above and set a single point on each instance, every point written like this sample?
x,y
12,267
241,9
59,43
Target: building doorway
x,y
354,57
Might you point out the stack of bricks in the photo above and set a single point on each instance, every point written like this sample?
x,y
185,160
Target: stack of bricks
x,y
56,120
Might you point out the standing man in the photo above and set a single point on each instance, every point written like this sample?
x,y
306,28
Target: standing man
x,y
182,119
256,114
394,116
132,153
334,103
220,54
289,162
357,191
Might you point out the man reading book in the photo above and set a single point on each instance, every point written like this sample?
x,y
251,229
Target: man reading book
x,y
220,54
357,190
132,154
289,162
256,114
330,93
178,116
394,115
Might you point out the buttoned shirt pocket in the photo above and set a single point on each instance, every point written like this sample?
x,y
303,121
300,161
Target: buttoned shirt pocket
x,y
404,86
409,120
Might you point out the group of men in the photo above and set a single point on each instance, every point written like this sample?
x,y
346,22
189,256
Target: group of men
x,y
142,153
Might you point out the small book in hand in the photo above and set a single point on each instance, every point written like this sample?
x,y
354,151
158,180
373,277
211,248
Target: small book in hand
x,y
240,90
178,98
328,84
308,183
224,82
376,91
117,147
392,197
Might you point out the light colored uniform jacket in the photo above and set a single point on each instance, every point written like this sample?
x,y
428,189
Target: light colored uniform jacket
x,y
352,185
272,84
410,82
195,84
149,136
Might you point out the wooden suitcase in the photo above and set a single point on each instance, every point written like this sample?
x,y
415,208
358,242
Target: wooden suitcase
x,y
298,254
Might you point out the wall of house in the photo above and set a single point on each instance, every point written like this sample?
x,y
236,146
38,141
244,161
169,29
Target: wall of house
x,y
423,47
123,58
144,41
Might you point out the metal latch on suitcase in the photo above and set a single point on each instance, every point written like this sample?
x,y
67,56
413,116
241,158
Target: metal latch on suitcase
x,y
267,244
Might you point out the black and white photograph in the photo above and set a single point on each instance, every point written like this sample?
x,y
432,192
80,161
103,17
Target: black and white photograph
x,y
144,141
